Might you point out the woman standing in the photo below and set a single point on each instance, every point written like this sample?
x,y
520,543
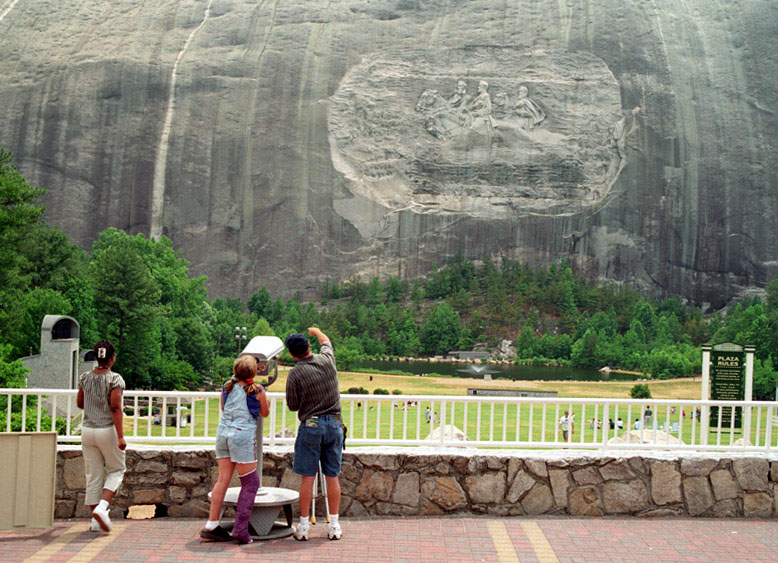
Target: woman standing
x,y
242,402
102,435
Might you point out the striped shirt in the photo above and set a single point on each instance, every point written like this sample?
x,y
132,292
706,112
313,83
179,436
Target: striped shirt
x,y
312,385
97,389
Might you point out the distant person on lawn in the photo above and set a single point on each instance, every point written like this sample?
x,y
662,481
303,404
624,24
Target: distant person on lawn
x,y
312,390
102,434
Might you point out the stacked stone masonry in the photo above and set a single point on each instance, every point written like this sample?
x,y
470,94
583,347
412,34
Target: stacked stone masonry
x,y
413,484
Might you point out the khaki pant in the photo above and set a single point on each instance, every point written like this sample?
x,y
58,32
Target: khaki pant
x,y
103,462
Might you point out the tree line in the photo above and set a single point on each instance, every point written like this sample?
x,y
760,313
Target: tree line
x,y
169,335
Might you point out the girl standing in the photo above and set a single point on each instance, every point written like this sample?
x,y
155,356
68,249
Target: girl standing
x,y
102,435
242,402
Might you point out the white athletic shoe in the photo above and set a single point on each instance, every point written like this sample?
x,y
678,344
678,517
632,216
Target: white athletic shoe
x,y
301,532
94,526
334,532
101,515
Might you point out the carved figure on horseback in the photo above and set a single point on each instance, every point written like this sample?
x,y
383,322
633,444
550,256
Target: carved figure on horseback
x,y
441,119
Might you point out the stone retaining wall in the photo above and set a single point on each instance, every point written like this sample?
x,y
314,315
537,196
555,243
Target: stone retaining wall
x,y
414,482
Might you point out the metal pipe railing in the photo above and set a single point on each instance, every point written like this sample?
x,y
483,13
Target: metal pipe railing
x,y
161,417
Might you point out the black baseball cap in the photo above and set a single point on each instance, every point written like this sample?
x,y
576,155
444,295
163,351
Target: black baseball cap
x,y
297,344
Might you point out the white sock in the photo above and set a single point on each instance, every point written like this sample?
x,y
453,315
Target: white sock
x,y
333,519
103,504
303,520
211,525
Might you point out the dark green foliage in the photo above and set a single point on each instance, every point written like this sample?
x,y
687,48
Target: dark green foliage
x,y
640,391
440,332
259,303
380,391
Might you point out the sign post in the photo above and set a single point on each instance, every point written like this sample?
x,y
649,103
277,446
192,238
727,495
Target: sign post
x,y
729,370
705,394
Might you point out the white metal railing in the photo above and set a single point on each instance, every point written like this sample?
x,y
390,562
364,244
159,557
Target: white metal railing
x,y
167,417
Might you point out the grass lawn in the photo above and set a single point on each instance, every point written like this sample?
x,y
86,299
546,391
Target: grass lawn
x,y
378,418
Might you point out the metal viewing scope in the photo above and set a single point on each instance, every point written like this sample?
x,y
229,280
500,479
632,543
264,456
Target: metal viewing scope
x,y
266,350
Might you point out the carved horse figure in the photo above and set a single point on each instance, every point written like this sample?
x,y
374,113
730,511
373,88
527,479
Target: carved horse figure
x,y
442,121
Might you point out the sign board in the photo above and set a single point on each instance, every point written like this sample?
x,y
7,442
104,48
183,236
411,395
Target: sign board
x,y
726,369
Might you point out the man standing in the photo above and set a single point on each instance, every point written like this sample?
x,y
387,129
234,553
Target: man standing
x,y
567,426
312,391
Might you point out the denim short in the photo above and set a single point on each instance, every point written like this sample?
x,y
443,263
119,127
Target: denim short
x,y
239,443
319,439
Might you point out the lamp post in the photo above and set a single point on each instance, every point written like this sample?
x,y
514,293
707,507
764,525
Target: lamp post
x,y
241,335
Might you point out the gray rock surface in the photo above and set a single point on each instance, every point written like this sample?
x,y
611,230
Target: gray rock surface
x,y
624,498
724,485
242,129
752,473
696,491
665,483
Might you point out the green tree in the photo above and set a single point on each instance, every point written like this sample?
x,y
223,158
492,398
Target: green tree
x,y
193,343
262,328
20,209
395,290
180,295
13,374
441,331
584,352
259,303
640,391
30,310
127,303
765,378
527,344
50,258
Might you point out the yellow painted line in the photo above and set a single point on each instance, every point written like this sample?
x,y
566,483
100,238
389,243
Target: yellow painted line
x,y
93,548
44,553
537,539
502,541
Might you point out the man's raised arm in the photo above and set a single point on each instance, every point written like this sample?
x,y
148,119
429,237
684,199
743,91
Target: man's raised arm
x,y
320,336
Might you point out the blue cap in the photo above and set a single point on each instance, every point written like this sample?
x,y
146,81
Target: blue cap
x,y
297,344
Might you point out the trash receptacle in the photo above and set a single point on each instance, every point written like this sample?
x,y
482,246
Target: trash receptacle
x,y
28,464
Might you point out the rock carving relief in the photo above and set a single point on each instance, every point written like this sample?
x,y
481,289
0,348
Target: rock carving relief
x,y
491,132
447,117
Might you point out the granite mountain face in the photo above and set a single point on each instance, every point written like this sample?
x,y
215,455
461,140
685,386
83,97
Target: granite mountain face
x,y
282,143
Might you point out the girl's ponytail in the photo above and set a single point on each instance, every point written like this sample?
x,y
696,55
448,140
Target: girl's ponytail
x,y
245,369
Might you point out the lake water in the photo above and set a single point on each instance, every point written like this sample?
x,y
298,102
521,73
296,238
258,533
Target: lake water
x,y
512,372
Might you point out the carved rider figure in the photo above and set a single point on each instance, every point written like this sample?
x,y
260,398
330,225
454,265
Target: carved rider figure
x,y
481,106
481,109
502,106
460,99
529,114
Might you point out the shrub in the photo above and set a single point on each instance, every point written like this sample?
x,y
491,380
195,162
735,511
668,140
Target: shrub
x,y
640,391
396,392
380,391
353,391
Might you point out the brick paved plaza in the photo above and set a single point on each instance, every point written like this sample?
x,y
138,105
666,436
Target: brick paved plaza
x,y
415,539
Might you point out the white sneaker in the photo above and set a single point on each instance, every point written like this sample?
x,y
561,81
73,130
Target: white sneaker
x,y
101,515
94,526
334,532
301,532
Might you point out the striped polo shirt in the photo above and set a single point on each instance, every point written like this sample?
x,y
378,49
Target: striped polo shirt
x,y
97,389
312,385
